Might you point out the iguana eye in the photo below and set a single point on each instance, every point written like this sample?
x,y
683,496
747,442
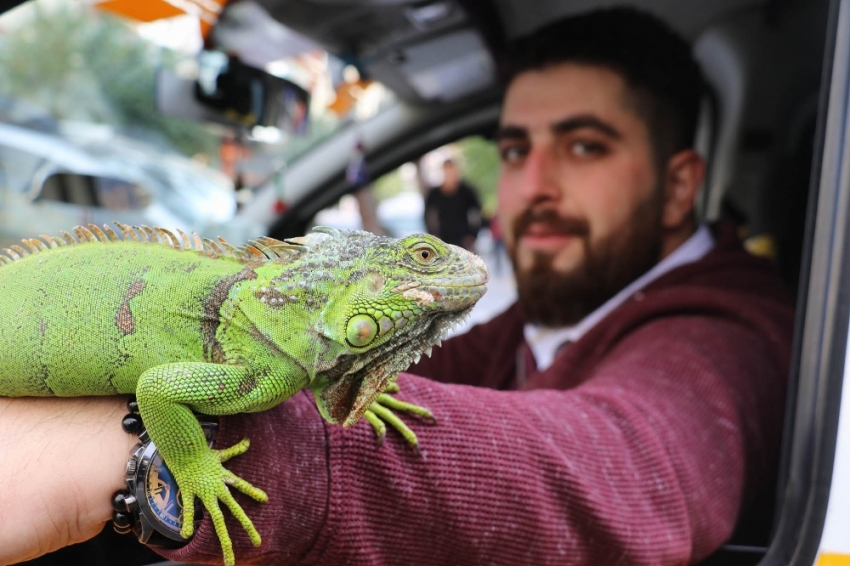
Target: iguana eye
x,y
361,330
425,254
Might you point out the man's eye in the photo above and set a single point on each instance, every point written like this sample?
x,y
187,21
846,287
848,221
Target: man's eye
x,y
586,149
512,153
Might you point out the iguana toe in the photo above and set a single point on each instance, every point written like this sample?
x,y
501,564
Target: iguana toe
x,y
377,424
208,480
380,414
240,447
387,416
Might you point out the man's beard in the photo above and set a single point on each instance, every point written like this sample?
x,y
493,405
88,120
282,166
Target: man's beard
x,y
551,298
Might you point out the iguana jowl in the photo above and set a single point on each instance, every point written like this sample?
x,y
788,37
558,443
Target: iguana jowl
x,y
194,325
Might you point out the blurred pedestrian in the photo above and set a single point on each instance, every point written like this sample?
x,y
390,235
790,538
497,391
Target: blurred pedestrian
x,y
452,209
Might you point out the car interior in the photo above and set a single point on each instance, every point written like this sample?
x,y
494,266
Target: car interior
x,y
763,62
766,63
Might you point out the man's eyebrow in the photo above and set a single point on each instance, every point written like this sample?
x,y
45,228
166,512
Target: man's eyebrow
x,y
585,121
511,132
563,127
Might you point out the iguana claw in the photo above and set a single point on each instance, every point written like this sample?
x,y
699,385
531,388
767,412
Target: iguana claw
x,y
208,480
379,414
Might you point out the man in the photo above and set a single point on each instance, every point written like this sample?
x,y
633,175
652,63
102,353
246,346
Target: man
x,y
452,210
626,410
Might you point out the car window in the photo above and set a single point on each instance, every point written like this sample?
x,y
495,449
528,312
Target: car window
x,y
81,136
85,122
394,205
86,190
399,194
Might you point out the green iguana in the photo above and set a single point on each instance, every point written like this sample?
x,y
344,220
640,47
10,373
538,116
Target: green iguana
x,y
188,325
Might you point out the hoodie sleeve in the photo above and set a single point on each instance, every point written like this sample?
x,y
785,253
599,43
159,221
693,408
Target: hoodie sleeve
x,y
643,463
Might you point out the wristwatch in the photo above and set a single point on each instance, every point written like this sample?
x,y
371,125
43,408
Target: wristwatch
x,y
151,507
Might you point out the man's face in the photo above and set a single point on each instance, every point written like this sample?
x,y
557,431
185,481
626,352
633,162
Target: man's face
x,y
579,192
451,178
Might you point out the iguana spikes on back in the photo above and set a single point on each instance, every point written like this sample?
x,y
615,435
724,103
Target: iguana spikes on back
x,y
190,324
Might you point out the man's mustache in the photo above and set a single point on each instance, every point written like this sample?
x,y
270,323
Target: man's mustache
x,y
567,225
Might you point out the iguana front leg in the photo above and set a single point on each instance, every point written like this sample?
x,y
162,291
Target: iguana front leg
x,y
380,413
167,395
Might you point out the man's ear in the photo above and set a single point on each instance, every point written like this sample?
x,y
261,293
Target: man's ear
x,y
682,179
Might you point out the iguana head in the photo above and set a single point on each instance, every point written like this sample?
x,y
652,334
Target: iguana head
x,y
395,300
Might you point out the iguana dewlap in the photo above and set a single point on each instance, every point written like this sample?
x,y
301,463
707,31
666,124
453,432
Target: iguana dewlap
x,y
194,325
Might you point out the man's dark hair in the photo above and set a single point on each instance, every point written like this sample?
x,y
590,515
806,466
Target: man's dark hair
x,y
654,60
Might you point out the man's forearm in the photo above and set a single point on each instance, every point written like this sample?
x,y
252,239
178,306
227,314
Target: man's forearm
x,y
631,466
60,462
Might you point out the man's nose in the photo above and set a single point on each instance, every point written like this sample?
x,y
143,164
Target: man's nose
x,y
540,181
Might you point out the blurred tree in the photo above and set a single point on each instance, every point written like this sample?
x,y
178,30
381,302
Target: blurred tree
x,y
480,161
389,185
82,64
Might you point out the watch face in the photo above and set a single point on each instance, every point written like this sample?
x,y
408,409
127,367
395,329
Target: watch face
x,y
161,506
165,504
163,495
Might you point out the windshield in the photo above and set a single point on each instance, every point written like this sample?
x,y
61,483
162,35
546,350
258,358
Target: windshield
x,y
87,133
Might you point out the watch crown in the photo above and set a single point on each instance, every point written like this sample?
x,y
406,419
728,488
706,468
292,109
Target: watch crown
x,y
131,466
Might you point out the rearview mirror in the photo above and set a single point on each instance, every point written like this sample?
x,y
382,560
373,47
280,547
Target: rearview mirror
x,y
231,93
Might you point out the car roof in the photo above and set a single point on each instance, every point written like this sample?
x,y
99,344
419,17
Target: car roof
x,y
444,50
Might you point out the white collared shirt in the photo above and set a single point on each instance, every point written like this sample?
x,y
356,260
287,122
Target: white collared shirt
x,y
544,341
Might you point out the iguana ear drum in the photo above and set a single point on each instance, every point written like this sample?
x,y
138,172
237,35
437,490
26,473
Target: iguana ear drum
x,y
361,330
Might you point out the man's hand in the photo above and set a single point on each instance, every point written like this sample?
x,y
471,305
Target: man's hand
x,y
60,462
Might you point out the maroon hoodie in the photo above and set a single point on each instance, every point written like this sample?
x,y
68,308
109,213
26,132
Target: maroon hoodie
x,y
637,446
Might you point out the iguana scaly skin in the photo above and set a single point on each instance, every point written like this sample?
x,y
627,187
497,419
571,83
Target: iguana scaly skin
x,y
194,325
